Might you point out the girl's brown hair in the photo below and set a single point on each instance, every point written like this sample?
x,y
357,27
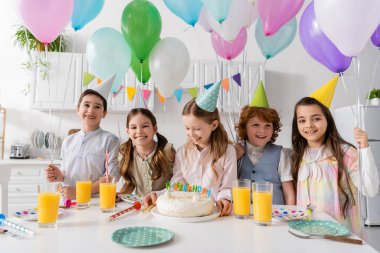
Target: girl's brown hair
x,y
265,114
159,163
218,138
332,141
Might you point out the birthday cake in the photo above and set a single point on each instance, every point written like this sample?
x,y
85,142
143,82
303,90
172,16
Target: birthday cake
x,y
184,204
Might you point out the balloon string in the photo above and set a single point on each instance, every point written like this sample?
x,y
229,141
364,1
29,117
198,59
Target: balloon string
x,y
348,94
203,52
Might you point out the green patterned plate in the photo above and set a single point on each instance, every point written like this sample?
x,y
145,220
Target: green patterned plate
x,y
142,236
319,227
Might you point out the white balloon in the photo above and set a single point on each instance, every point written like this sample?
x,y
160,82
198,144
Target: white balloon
x,y
348,23
241,14
169,63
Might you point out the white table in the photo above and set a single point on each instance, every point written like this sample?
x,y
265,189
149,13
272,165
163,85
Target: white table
x,y
88,231
5,172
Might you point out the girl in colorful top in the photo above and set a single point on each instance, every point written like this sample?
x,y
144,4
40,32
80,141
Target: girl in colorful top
x,y
146,165
260,159
326,166
207,159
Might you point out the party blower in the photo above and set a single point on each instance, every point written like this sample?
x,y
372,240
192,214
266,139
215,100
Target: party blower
x,y
136,206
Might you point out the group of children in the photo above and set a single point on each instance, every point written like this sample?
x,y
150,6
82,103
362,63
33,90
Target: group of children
x,y
321,169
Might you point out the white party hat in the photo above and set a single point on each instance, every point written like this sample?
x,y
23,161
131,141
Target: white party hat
x,y
105,87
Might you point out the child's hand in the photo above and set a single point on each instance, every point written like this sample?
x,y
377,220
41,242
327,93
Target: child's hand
x,y
53,173
68,192
224,206
239,151
361,137
150,199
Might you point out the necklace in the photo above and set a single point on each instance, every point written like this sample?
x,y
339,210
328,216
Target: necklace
x,y
144,157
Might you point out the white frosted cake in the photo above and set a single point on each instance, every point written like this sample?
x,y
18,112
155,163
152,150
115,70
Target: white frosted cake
x,y
184,204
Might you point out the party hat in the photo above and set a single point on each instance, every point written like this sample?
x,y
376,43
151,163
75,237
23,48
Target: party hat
x,y
325,93
105,87
260,98
207,101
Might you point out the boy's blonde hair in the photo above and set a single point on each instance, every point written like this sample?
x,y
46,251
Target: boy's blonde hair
x,y
218,138
265,114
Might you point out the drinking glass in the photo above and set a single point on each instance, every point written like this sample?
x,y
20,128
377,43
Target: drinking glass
x,y
107,196
83,192
48,205
241,197
262,193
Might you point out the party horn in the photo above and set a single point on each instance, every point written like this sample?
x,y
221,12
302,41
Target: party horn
x,y
136,205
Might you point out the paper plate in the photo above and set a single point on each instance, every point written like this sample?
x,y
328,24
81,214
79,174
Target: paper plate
x,y
31,214
131,198
212,216
319,227
142,236
288,213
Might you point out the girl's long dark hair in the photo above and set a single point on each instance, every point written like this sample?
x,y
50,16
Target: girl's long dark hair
x,y
332,141
159,163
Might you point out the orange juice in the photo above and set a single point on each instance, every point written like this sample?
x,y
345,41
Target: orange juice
x,y
83,193
262,206
240,196
107,196
48,204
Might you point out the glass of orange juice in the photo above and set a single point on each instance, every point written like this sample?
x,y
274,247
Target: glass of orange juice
x,y
262,193
241,189
48,205
83,193
107,192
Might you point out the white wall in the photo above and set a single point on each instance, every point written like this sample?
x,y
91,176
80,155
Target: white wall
x,y
291,75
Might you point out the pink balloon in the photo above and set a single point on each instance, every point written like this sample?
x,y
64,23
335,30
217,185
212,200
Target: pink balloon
x,y
229,49
275,13
45,19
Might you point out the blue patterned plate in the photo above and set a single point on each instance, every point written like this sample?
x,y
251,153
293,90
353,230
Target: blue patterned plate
x,y
142,236
288,212
131,198
319,227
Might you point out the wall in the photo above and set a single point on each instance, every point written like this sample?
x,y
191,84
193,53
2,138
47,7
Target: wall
x,y
289,76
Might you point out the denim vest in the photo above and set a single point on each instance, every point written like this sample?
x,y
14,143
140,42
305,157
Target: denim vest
x,y
266,170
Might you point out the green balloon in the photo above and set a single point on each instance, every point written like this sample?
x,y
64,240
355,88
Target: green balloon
x,y
141,27
141,70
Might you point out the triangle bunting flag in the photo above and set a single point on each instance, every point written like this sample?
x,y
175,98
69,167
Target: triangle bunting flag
x,y
193,92
162,99
146,94
87,78
226,84
118,91
237,78
131,91
208,86
178,94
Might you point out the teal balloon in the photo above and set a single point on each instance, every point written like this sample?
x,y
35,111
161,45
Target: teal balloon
x,y
187,10
108,54
272,45
218,8
84,12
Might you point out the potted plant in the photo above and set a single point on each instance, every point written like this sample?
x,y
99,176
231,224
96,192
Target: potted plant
x,y
24,39
374,97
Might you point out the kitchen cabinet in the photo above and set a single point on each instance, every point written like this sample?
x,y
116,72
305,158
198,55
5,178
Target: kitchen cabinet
x,y
56,84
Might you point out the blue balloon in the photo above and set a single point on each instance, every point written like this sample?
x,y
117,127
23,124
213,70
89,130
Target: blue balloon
x,y
84,12
271,45
108,54
185,9
218,8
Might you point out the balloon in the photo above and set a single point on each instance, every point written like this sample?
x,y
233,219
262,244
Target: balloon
x,y
354,22
218,8
84,12
275,13
185,9
272,45
141,27
318,45
203,20
141,70
375,38
45,19
107,53
169,63
229,50
241,14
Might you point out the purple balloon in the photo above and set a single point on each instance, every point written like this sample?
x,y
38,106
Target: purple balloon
x,y
318,45
229,49
375,38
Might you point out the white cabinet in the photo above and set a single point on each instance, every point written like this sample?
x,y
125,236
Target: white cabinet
x,y
56,84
